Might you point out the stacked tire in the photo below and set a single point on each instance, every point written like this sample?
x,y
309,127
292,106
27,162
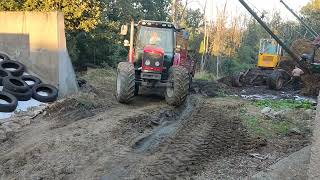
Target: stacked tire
x,y
16,88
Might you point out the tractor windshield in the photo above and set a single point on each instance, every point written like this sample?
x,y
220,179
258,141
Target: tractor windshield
x,y
160,37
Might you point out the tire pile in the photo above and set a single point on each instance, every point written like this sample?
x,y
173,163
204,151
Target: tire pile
x,y
16,89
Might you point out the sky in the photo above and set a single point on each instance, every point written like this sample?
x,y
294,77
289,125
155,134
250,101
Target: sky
x,y
234,6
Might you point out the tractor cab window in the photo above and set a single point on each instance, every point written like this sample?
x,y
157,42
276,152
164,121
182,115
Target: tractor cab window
x,y
268,46
159,37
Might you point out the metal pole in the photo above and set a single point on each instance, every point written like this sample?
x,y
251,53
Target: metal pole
x,y
313,32
205,38
131,41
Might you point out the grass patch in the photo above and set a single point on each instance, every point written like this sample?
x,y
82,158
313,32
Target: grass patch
x,y
283,104
258,126
100,77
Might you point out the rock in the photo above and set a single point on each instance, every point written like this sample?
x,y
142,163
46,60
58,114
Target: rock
x,y
280,115
311,112
266,110
294,131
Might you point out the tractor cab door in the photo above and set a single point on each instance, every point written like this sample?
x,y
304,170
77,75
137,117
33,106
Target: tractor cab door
x,y
269,54
182,44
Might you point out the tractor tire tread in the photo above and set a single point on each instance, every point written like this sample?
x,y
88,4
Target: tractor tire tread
x,y
181,85
126,72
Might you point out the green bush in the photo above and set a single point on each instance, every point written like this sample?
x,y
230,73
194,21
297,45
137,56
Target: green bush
x,y
283,104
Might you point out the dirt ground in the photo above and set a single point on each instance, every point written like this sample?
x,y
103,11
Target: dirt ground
x,y
91,136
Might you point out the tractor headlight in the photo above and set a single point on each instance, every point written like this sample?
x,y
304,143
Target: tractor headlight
x,y
157,63
147,63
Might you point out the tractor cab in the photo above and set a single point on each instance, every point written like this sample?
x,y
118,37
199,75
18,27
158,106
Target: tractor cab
x,y
310,59
269,54
154,48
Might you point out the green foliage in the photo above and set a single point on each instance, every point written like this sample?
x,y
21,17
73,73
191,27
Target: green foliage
x,y
79,14
283,104
9,5
311,14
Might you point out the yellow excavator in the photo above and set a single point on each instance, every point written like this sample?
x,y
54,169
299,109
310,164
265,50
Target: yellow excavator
x,y
267,71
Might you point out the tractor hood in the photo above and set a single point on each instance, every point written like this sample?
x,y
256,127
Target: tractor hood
x,y
153,59
153,50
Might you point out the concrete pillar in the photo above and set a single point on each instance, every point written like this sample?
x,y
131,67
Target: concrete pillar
x,y
37,39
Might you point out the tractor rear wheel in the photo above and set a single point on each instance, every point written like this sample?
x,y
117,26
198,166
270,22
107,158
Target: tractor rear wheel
x,y
125,82
275,80
177,94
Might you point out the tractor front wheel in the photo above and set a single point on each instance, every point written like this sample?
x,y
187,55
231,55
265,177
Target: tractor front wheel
x,y
125,82
176,94
275,80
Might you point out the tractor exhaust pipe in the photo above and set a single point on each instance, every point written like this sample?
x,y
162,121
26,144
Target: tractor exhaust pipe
x,y
131,41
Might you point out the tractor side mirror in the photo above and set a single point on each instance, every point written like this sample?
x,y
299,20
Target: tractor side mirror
x,y
124,30
126,43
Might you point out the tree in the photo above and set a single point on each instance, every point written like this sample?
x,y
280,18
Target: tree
x,y
311,14
79,14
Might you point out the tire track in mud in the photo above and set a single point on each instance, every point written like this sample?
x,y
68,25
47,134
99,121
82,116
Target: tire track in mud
x,y
208,134
188,138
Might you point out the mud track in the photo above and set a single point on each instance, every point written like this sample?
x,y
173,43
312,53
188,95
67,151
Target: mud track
x,y
145,140
185,141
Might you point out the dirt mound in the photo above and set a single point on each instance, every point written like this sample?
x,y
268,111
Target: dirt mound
x,y
311,85
287,64
304,46
209,88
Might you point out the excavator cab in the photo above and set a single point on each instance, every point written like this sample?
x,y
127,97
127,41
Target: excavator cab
x,y
269,54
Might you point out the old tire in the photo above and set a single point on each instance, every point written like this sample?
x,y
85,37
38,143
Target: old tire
x,y
17,68
49,89
34,79
4,57
3,74
177,94
275,81
125,82
15,84
21,96
11,104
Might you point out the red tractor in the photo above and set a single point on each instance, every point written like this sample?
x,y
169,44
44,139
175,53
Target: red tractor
x,y
158,58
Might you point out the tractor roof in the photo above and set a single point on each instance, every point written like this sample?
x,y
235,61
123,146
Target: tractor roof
x,y
158,24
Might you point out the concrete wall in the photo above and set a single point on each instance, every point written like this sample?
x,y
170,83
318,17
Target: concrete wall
x,y
37,39
314,166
